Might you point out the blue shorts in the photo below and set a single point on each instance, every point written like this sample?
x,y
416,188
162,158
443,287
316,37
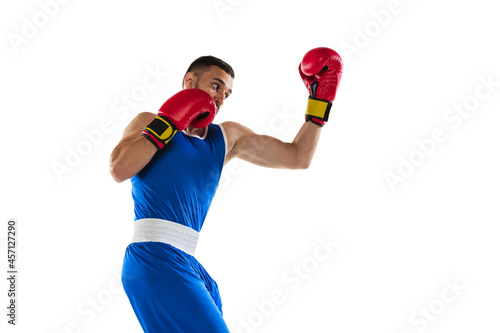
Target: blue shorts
x,y
170,291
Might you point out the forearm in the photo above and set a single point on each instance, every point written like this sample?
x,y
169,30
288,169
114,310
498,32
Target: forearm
x,y
130,157
305,144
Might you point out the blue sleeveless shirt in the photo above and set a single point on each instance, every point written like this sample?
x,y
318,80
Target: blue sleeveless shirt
x,y
180,181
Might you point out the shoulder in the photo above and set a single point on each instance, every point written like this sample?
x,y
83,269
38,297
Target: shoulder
x,y
236,135
235,129
144,116
234,132
138,123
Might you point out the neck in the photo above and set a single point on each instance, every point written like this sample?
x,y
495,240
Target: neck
x,y
195,131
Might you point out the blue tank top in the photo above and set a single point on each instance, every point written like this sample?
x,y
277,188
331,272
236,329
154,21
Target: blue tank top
x,y
180,181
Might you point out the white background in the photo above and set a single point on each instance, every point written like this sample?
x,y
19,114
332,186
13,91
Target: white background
x,y
406,64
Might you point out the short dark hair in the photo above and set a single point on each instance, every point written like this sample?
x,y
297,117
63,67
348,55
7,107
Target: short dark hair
x,y
204,62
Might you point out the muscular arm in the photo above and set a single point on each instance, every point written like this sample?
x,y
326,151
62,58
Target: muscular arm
x,y
134,151
270,152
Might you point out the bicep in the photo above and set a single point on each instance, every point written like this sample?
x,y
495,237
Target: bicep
x,y
136,126
262,150
132,131
133,151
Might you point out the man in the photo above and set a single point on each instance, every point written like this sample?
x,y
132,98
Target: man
x,y
173,159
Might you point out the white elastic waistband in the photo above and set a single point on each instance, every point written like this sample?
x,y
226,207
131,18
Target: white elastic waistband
x,y
158,230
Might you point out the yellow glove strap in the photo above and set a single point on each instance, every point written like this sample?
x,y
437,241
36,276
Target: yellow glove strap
x,y
318,108
160,131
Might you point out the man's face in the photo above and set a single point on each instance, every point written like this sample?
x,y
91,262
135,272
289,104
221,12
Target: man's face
x,y
215,81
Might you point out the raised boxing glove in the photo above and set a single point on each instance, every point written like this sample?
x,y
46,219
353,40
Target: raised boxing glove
x,y
177,113
321,70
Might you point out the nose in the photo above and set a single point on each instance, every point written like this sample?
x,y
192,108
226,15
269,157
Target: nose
x,y
219,98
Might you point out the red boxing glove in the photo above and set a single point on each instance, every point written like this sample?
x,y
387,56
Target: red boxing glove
x,y
189,106
321,70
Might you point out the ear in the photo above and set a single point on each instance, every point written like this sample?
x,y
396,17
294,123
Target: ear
x,y
189,80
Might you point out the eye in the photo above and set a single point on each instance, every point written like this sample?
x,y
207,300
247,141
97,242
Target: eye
x,y
216,86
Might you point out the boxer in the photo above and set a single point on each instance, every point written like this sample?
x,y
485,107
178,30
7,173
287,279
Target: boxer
x,y
173,158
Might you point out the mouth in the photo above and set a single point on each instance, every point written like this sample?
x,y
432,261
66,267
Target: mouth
x,y
216,107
